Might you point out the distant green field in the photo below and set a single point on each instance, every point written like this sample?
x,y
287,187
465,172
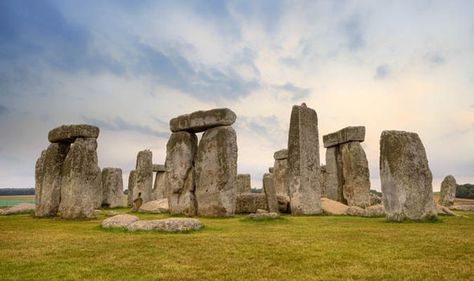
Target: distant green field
x,y
292,248
7,201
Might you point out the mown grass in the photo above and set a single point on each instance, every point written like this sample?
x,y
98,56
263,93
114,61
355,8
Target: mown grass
x,y
8,201
291,248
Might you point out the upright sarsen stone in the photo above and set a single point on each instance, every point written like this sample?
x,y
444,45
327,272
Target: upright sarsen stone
x,y
143,186
355,171
243,183
48,179
448,191
81,187
132,180
334,179
269,189
180,152
159,188
406,177
303,161
112,187
216,172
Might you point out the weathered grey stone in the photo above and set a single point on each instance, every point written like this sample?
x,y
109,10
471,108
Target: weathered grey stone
x,y
283,203
280,177
375,199
81,185
167,225
243,183
270,193
200,121
155,207
406,177
264,216
180,180
158,168
132,180
20,208
334,179
270,170
281,154
375,211
448,191
443,210
462,207
332,207
356,211
119,221
112,187
303,161
69,133
159,190
143,185
348,134
216,172
250,202
48,179
323,180
355,171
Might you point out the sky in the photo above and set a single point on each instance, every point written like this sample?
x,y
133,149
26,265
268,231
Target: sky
x,y
130,66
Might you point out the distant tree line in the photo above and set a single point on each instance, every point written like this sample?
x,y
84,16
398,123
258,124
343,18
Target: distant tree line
x,y
465,191
17,191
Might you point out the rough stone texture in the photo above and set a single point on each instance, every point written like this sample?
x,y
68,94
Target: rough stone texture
x,y
270,170
216,172
264,216
348,134
448,191
48,179
280,177
20,208
270,193
355,171
356,211
112,187
303,161
69,133
132,180
406,177
334,179
375,211
158,168
281,154
243,183
81,185
167,225
323,180
119,221
155,207
144,176
375,199
159,189
443,210
332,207
250,202
284,203
462,207
180,180
200,121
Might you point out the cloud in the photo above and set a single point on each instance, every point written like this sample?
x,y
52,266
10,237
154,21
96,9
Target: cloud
x,y
382,71
352,30
3,109
437,60
118,124
297,92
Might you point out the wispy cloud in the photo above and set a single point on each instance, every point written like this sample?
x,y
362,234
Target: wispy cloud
x,y
298,93
118,124
352,29
382,71
3,109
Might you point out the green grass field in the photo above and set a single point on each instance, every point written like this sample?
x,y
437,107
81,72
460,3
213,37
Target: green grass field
x,y
292,248
8,201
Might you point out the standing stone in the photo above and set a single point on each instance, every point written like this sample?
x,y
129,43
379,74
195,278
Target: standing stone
x,y
323,180
280,173
334,179
406,177
159,189
243,183
448,191
112,186
200,121
48,179
355,171
144,176
303,161
250,202
269,189
132,180
180,180
81,186
216,172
